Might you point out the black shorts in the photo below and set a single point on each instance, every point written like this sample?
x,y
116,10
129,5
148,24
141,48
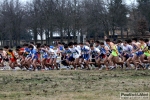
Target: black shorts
x,y
64,63
71,59
108,55
81,56
93,58
126,56
6,59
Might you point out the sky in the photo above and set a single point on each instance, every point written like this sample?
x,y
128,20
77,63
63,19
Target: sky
x,y
25,0
130,1
126,1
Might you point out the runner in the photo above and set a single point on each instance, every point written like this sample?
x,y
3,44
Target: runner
x,y
114,56
95,53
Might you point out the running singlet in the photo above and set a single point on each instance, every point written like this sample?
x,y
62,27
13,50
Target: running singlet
x,y
34,52
11,56
114,51
75,52
61,48
53,53
78,48
134,47
95,52
102,50
82,50
86,52
120,49
140,52
146,50
44,54
26,52
21,51
68,52
128,50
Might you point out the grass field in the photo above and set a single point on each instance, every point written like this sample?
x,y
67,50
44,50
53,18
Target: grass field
x,y
71,85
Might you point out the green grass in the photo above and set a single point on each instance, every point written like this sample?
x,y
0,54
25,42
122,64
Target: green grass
x,y
71,85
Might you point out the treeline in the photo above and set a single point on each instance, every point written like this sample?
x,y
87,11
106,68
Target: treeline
x,y
68,18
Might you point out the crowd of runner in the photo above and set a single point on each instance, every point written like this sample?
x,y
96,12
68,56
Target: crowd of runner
x,y
106,55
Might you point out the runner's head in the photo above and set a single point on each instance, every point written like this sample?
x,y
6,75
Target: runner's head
x,y
81,44
31,47
102,44
91,46
70,44
75,43
146,41
6,48
87,43
119,42
45,45
125,42
48,46
97,43
141,40
108,41
66,47
38,45
18,51
59,44
32,43
25,45
10,50
134,40
18,47
129,41
42,46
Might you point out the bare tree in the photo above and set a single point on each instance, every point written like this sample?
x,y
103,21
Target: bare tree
x,y
12,14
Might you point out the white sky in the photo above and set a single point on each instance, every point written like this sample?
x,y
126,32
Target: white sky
x,y
127,1
25,0
130,1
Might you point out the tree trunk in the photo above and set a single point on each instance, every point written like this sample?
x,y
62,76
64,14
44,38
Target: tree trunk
x,y
68,35
46,33
113,30
74,36
35,35
61,35
16,36
51,37
19,40
81,37
2,43
2,40
95,34
48,36
107,32
41,35
13,43
10,39
87,36
121,33
127,34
